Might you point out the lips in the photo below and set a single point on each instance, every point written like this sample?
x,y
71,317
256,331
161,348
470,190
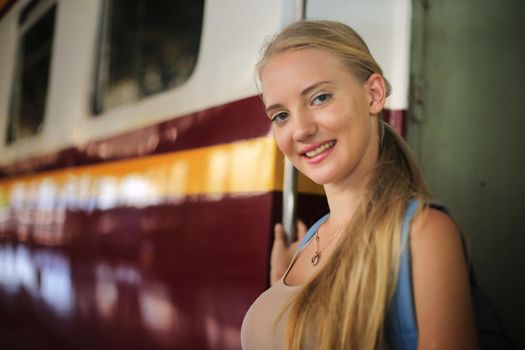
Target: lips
x,y
317,150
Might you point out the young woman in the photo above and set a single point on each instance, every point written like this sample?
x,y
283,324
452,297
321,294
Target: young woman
x,y
324,93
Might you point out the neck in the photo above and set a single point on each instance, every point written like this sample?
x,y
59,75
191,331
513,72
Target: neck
x,y
343,200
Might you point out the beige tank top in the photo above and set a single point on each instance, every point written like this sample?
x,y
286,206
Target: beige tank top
x,y
262,328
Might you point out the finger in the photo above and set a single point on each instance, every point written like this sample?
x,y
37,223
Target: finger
x,y
278,232
301,230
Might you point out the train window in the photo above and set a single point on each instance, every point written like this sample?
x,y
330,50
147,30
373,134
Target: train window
x,y
146,47
28,98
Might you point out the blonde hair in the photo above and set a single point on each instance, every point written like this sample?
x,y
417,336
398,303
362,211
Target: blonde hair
x,y
347,301
332,37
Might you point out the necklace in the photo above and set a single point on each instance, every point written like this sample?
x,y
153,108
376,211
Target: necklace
x,y
317,255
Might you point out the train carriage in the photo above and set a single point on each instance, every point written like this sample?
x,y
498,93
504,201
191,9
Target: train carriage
x,y
139,182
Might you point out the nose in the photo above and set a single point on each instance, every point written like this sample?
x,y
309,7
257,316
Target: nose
x,y
305,126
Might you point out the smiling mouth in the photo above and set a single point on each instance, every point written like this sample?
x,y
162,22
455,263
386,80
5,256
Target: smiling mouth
x,y
320,149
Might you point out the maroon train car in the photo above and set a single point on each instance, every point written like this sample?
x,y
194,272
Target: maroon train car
x,y
139,182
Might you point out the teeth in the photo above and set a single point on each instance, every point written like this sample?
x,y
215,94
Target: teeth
x,y
320,149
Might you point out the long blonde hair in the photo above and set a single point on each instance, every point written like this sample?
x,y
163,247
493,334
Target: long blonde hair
x,y
346,302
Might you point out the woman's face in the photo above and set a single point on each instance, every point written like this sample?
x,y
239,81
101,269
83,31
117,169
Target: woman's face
x,y
323,118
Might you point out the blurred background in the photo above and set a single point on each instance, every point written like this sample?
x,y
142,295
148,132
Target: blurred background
x,y
139,182
466,128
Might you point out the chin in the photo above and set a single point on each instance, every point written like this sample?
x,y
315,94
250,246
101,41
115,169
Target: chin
x,y
319,178
327,172
320,174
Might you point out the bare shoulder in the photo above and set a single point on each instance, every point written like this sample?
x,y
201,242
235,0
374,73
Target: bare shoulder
x,y
441,288
434,230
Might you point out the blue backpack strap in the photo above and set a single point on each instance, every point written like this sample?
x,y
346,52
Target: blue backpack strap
x,y
401,325
312,230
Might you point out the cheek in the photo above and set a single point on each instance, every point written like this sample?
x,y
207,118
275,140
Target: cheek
x,y
283,139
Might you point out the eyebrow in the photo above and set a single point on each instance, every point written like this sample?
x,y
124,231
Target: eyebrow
x,y
306,91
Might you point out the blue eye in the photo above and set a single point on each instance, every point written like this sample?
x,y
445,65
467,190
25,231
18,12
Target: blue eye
x,y
280,117
321,98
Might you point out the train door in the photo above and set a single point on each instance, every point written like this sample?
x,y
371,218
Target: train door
x,y
467,129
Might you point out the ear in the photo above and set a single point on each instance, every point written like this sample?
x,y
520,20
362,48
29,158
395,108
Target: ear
x,y
377,93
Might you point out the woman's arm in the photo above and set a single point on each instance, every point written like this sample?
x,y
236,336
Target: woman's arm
x,y
441,288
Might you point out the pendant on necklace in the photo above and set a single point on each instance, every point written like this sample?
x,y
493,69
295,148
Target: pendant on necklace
x,y
315,258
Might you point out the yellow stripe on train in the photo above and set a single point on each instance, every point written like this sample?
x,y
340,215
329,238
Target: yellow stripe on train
x,y
249,166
